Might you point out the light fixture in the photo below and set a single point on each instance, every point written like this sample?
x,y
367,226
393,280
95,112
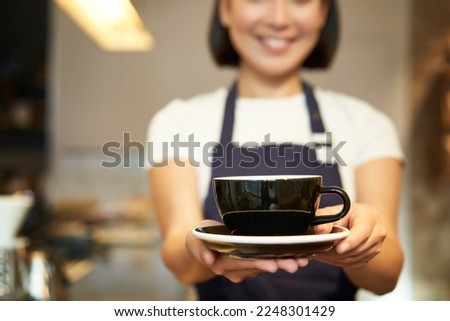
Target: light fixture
x,y
113,24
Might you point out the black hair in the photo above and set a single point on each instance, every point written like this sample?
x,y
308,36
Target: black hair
x,y
320,57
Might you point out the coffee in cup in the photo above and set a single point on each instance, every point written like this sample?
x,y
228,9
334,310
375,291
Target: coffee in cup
x,y
274,204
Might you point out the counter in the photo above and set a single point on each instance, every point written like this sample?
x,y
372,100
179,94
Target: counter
x,y
111,260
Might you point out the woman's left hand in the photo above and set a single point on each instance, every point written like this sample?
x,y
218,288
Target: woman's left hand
x,y
367,234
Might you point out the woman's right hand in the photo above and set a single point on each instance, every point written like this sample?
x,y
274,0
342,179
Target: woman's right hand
x,y
235,269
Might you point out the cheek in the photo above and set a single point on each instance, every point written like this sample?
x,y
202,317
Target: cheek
x,y
310,28
244,20
309,21
241,30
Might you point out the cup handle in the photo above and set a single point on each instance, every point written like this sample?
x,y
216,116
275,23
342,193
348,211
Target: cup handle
x,y
322,219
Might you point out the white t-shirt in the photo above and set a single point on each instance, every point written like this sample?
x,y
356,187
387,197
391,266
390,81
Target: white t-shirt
x,y
186,129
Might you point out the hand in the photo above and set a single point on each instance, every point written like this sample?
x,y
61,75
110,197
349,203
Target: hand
x,y
235,269
367,234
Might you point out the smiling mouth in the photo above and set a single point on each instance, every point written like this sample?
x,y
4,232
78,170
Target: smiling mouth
x,y
275,43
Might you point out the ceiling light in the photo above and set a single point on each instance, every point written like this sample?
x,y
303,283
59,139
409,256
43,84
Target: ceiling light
x,y
113,24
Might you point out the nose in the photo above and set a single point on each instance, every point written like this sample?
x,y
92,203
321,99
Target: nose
x,y
279,15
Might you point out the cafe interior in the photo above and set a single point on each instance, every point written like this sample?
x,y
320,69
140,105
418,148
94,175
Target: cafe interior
x,y
75,102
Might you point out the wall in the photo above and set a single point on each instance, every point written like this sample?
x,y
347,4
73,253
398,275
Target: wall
x,y
98,96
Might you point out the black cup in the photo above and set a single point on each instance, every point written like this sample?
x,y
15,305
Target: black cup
x,y
274,205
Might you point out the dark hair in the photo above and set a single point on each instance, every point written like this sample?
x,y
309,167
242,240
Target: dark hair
x,y
321,56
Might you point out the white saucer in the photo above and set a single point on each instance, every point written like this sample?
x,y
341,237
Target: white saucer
x,y
218,238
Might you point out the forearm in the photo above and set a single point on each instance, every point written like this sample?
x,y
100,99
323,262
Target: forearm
x,y
178,209
380,275
181,263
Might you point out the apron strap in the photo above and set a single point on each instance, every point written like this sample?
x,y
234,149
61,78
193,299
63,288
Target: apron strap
x,y
228,119
313,109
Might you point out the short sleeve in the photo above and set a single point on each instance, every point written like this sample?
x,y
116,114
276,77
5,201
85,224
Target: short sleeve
x,y
378,138
163,132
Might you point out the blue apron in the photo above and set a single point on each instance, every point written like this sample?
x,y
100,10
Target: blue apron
x,y
317,281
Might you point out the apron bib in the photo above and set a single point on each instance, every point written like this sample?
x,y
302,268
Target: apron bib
x,y
317,281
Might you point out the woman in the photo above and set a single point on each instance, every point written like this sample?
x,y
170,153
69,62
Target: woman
x,y
269,41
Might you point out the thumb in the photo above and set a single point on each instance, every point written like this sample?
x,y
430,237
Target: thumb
x,y
323,228
207,256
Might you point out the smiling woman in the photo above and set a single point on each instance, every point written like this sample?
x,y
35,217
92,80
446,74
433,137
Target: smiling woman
x,y
270,42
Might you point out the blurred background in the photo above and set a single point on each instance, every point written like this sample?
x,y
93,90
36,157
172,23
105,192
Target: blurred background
x,y
63,96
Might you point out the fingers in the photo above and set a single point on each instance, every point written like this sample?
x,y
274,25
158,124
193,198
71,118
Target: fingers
x,y
237,270
348,253
359,234
225,264
288,265
356,260
293,265
302,261
365,230
323,228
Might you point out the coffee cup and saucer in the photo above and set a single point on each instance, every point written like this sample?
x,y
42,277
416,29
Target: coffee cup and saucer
x,y
272,216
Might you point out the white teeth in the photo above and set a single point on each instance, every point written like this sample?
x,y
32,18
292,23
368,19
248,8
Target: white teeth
x,y
275,42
